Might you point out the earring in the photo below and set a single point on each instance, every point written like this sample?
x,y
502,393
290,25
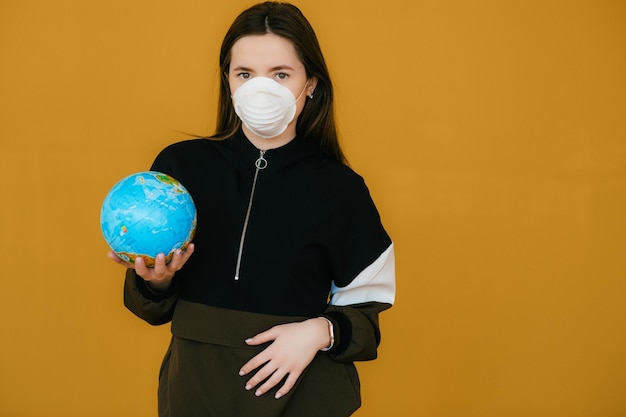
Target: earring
x,y
311,96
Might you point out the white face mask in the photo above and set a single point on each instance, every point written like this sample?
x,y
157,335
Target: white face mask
x,y
265,106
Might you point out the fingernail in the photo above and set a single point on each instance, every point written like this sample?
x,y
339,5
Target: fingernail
x,y
258,393
248,387
248,340
241,373
278,395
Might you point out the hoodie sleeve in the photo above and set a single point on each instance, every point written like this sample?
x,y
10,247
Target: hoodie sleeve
x,y
354,310
364,285
154,307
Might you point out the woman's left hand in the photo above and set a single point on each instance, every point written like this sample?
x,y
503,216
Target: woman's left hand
x,y
293,347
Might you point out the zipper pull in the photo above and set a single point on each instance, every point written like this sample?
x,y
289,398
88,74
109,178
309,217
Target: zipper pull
x,y
261,163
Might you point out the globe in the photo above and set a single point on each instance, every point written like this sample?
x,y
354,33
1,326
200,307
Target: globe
x,y
145,214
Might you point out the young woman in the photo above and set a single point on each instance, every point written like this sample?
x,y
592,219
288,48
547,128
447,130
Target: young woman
x,y
291,265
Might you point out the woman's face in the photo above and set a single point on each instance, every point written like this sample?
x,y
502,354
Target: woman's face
x,y
273,57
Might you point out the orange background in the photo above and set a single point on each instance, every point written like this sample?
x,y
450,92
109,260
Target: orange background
x,y
492,135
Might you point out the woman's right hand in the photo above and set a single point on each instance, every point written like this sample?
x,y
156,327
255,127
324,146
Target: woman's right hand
x,y
160,276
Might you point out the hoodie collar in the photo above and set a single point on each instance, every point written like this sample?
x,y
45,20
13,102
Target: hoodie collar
x,y
245,153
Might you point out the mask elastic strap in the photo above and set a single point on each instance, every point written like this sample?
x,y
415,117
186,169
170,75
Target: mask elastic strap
x,y
301,92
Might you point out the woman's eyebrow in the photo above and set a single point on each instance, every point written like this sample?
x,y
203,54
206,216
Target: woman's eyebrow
x,y
276,68
240,68
281,67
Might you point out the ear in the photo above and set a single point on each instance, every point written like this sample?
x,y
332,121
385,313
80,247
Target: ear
x,y
311,86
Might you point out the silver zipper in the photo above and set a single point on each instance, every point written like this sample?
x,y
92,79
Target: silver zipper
x,y
260,164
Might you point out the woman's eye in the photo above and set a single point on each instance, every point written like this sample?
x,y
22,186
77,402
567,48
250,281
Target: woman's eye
x,y
282,76
244,75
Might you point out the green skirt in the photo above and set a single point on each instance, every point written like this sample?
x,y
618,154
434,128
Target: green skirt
x,y
200,372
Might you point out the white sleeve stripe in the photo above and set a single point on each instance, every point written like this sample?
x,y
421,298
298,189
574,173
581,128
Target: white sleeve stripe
x,y
377,282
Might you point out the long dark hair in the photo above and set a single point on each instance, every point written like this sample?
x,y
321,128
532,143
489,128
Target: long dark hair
x,y
317,121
